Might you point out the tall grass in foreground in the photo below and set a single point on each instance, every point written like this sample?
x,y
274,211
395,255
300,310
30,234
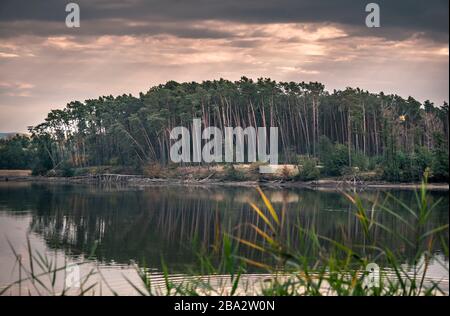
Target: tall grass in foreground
x,y
317,265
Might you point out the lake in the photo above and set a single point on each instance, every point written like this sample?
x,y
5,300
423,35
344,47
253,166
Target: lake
x,y
121,227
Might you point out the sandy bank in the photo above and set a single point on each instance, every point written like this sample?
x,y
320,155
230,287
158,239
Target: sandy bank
x,y
136,180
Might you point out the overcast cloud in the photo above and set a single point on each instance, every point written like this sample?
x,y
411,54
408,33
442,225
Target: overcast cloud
x,y
128,46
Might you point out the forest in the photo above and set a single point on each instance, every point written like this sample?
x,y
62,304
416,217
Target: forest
x,y
328,133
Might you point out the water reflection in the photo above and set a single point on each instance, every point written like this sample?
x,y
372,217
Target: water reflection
x,y
147,224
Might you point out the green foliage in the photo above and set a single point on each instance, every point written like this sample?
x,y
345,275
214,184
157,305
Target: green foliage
x,y
343,128
42,160
15,153
374,162
404,167
333,156
79,172
440,159
360,161
398,168
66,169
232,174
308,170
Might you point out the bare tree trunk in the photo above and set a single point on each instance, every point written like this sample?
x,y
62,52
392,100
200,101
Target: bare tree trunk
x,y
349,138
364,129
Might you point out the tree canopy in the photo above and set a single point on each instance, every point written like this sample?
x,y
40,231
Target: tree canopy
x,y
134,130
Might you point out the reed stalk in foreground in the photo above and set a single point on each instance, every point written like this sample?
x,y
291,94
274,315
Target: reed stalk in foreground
x,y
317,266
320,265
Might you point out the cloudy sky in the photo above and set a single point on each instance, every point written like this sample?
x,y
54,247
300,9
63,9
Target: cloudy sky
x,y
130,45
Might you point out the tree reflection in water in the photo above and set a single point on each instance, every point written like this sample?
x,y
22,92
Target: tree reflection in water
x,y
164,221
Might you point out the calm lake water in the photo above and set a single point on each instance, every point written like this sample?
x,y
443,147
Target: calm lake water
x,y
136,225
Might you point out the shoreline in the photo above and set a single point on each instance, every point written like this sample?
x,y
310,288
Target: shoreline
x,y
143,181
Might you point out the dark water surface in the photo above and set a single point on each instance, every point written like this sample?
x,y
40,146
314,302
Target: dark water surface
x,y
147,224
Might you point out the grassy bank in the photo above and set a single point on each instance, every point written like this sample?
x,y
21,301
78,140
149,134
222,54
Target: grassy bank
x,y
233,175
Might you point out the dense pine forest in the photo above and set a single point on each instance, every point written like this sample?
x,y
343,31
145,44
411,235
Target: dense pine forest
x,y
337,131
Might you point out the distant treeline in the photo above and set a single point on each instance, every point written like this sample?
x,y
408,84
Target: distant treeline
x,y
340,129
